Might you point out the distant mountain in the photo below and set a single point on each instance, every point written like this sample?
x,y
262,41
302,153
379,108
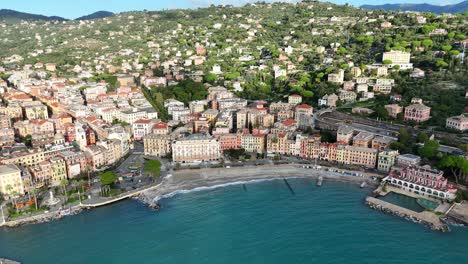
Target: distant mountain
x,y
12,15
455,8
96,15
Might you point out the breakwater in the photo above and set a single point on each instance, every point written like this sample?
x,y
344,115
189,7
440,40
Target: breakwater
x,y
427,218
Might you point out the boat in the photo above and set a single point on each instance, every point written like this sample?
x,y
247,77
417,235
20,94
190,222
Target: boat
x,y
65,212
319,181
363,184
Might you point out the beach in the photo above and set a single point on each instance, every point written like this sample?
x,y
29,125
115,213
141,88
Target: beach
x,y
186,180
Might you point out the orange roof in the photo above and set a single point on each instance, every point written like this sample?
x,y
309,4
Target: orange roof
x,y
160,126
142,121
304,106
289,122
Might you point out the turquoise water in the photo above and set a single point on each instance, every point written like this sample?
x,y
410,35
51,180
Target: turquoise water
x,y
261,223
403,201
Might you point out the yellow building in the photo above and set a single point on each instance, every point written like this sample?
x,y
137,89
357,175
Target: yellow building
x,y
10,180
58,170
253,143
157,145
24,158
36,112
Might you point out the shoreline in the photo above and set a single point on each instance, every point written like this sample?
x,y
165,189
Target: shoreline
x,y
184,181
189,180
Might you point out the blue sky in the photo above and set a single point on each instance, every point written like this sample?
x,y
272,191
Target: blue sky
x,y
76,8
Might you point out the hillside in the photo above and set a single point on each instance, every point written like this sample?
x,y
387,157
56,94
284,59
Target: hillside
x,y
96,15
12,15
455,8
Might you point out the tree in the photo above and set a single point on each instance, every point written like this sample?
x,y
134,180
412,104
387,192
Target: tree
x,y
430,149
458,165
210,78
387,62
422,137
34,192
64,183
108,178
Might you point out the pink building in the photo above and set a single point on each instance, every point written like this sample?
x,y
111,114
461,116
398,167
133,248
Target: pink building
x,y
418,113
229,141
422,180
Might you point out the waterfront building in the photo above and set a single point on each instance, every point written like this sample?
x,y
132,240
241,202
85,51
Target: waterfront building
x,y
11,181
58,170
159,145
417,112
253,143
229,141
386,160
362,156
196,148
423,181
459,123
408,160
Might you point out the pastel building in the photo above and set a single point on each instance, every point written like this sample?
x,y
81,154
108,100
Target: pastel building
x,y
423,181
459,123
418,113
10,180
196,148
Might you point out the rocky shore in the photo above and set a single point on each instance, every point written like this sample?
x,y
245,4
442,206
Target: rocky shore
x,y
40,218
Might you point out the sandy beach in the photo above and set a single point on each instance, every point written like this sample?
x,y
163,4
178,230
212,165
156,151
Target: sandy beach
x,y
200,179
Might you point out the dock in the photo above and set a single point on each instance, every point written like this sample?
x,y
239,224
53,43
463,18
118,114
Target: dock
x,y
427,218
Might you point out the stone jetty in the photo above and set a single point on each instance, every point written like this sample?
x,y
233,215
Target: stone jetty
x,y
427,218
7,261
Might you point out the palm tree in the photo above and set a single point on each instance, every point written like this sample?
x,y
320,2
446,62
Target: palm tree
x,y
34,192
64,182
81,183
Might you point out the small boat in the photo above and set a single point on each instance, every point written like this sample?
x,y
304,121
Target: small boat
x,y
363,184
319,181
65,212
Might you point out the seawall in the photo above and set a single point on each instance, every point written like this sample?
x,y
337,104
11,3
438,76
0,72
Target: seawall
x,y
427,218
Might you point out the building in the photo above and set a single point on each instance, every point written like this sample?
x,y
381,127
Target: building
x,y
328,100
363,139
36,111
386,160
344,134
459,123
418,113
142,127
304,116
58,170
423,181
355,156
253,143
381,143
408,160
336,77
196,148
159,145
294,99
229,141
393,110
398,57
11,181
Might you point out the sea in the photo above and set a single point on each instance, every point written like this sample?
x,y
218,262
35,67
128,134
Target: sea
x,y
262,222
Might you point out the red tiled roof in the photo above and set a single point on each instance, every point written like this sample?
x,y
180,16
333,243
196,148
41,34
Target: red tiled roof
x,y
304,106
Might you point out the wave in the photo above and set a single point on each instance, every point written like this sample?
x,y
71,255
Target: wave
x,y
207,188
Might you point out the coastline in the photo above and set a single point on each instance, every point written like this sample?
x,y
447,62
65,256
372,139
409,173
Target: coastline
x,y
188,180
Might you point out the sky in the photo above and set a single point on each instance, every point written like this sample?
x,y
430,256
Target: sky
x,y
76,8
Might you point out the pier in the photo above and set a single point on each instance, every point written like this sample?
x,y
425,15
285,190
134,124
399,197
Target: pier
x,y
427,218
